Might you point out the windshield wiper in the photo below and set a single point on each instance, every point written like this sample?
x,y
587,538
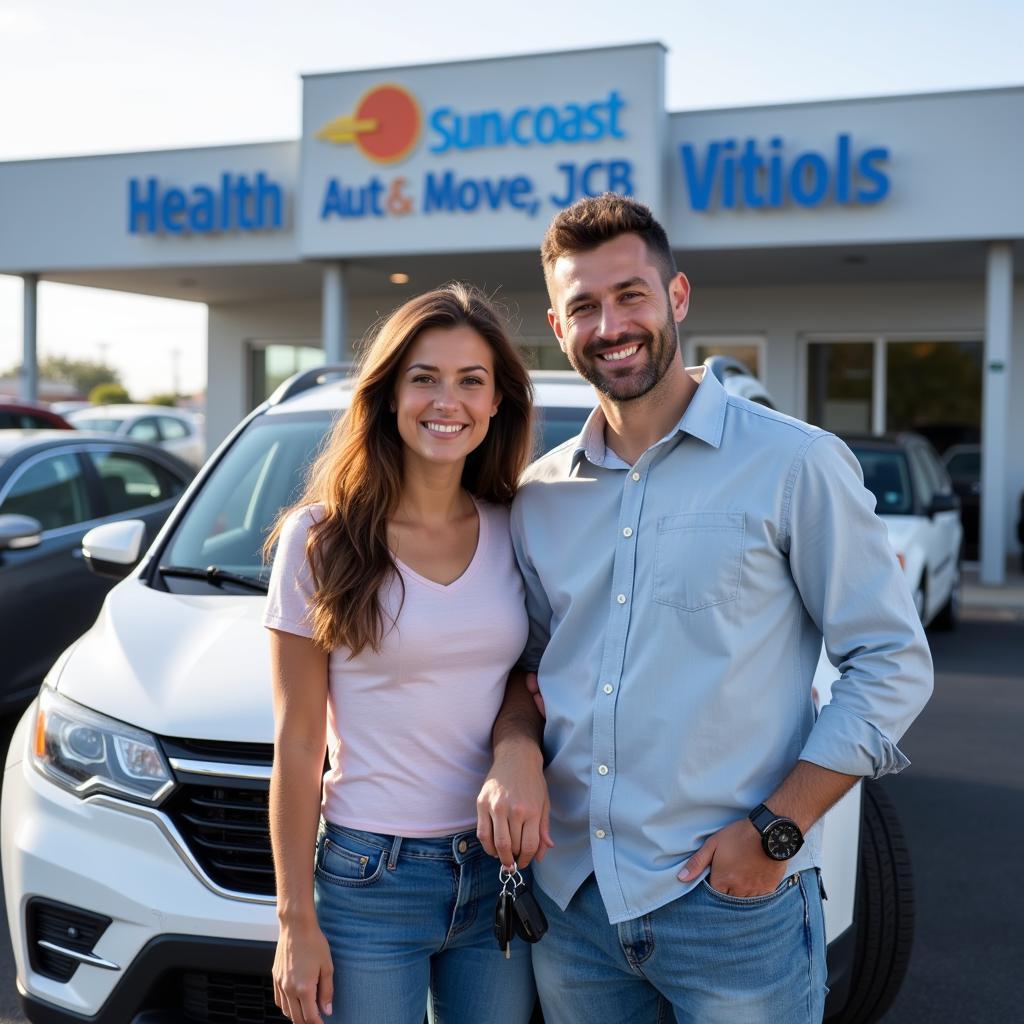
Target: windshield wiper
x,y
213,574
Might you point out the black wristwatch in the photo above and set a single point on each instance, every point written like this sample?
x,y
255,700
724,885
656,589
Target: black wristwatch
x,y
780,837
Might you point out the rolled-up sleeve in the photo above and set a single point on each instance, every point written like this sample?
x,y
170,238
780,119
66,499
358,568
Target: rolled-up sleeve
x,y
537,607
853,588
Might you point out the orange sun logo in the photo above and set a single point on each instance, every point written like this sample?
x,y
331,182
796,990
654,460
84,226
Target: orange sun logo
x,y
385,125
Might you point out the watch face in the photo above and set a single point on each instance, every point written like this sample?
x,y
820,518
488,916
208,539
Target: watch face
x,y
782,840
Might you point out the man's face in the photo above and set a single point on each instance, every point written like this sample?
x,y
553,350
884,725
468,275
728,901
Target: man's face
x,y
613,318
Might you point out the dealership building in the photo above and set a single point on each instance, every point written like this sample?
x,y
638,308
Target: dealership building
x,y
858,254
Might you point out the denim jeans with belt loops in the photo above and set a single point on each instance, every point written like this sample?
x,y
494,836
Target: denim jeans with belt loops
x,y
410,926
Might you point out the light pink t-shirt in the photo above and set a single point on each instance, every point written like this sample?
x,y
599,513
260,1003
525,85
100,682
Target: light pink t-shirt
x,y
409,729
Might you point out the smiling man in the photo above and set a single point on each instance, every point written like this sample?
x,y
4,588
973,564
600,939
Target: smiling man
x,y
683,557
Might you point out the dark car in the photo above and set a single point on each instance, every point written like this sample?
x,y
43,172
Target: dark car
x,y
963,463
18,415
56,485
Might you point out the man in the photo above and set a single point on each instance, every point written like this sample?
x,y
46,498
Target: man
x,y
683,558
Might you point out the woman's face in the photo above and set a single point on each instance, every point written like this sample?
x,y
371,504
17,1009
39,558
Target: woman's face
x,y
445,394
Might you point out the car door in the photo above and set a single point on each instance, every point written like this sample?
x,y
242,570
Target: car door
x,y
948,527
48,597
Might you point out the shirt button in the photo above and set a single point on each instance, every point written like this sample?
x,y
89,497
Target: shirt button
x,y
602,769
636,476
599,833
608,688
628,531
621,599
463,846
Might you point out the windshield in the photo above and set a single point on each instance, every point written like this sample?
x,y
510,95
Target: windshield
x,y
965,464
262,473
105,425
887,476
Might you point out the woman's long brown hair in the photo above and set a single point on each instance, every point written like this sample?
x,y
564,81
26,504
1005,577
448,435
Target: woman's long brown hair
x,y
357,478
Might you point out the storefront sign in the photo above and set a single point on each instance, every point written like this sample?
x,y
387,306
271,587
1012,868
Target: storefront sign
x,y
476,155
731,173
237,202
386,126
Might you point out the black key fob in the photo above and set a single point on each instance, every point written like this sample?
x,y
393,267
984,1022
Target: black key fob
x,y
503,917
527,918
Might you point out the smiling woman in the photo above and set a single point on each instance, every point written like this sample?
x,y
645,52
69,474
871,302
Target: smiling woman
x,y
396,610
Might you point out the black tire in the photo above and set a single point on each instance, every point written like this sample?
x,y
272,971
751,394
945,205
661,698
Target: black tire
x,y
884,916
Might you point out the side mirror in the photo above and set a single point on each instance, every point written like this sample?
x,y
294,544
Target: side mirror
x,y
944,503
18,532
112,550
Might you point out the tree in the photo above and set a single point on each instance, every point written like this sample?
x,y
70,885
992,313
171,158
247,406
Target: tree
x,y
168,398
82,374
108,394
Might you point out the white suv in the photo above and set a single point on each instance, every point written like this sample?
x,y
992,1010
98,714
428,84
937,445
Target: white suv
x,y
136,856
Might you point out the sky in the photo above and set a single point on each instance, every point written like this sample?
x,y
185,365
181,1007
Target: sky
x,y
119,75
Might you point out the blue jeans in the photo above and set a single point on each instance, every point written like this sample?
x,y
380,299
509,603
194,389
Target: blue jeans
x,y
706,957
410,921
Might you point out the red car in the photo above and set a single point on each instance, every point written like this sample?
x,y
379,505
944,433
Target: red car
x,y
29,416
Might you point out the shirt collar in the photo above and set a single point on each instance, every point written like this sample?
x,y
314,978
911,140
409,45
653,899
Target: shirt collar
x,y
703,419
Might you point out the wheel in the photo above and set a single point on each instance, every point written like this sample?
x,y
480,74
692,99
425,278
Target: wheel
x,y
949,614
884,916
919,598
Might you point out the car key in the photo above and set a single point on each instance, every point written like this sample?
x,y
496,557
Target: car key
x,y
503,923
527,918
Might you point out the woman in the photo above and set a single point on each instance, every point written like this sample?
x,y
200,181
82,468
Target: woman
x,y
396,612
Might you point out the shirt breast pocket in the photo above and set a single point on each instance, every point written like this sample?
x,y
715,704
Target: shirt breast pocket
x,y
698,559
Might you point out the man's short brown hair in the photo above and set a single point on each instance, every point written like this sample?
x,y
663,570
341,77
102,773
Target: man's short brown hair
x,y
592,221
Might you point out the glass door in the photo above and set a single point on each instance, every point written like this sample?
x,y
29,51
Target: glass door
x,y
840,385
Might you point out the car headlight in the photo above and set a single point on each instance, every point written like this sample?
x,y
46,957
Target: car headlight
x,y
85,752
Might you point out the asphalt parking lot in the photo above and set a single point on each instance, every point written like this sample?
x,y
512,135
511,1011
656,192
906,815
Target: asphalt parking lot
x,y
962,805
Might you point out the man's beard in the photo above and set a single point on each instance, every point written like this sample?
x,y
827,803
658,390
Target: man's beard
x,y
660,350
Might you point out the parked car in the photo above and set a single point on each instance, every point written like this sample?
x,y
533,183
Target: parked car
x,y
134,836
21,415
175,430
55,485
739,380
915,500
963,464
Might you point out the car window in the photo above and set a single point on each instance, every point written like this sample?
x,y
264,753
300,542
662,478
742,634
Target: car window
x,y
965,464
173,429
131,481
30,422
263,472
7,421
935,471
51,490
145,430
555,425
924,482
887,476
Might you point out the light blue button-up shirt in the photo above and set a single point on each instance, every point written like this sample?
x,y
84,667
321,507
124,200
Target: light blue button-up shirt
x,y
677,608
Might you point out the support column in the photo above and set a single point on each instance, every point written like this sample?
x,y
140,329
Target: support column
x,y
334,314
29,362
995,411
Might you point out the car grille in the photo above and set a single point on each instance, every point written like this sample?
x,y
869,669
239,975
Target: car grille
x,y
224,820
218,998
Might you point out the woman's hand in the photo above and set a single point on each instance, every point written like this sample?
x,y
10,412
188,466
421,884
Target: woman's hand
x,y
303,973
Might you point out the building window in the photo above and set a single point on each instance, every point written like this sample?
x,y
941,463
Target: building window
x,y
272,363
747,350
840,386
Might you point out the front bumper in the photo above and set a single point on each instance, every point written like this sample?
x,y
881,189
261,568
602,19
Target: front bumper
x,y
116,859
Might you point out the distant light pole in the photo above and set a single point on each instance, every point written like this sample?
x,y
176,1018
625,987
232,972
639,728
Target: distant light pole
x,y
175,358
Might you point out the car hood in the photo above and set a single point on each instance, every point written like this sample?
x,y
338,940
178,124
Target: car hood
x,y
183,665
902,530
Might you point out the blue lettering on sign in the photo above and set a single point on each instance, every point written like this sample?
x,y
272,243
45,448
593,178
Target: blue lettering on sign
x,y
545,125
352,200
594,178
749,177
444,192
237,204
